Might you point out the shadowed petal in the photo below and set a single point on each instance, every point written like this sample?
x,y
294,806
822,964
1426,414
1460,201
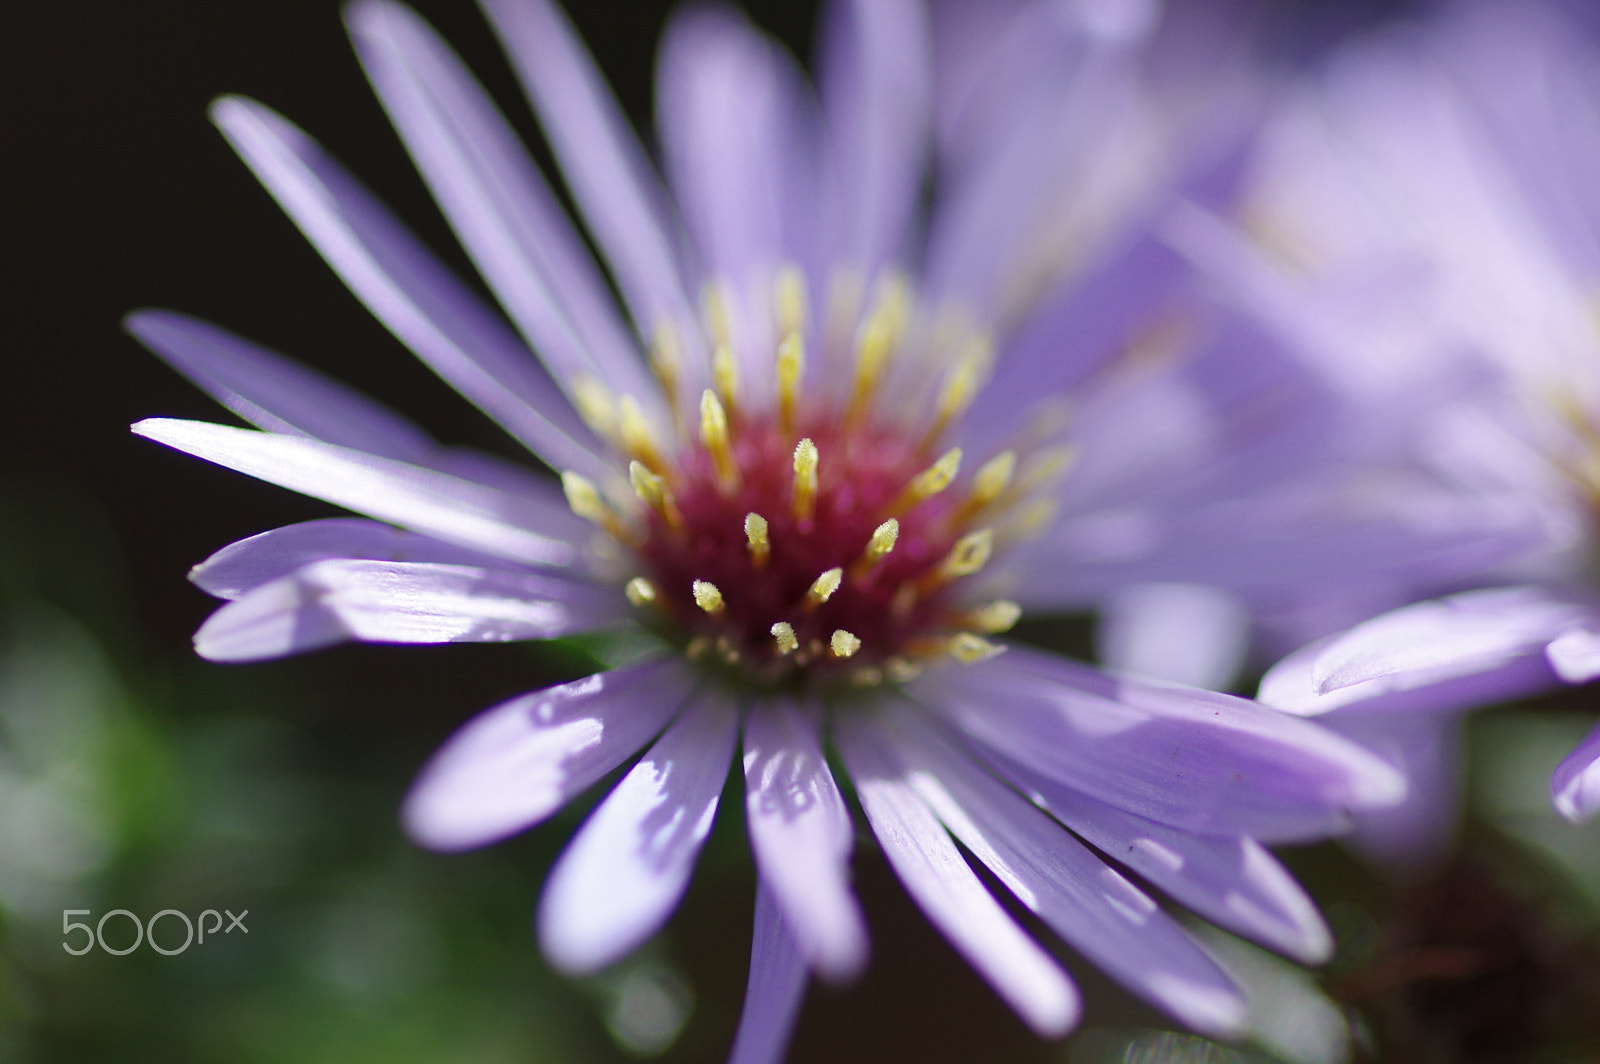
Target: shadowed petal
x,y
1181,633
511,766
1231,881
802,836
1194,759
497,202
1575,785
625,870
452,509
406,288
1090,905
1427,747
948,891
370,601
777,986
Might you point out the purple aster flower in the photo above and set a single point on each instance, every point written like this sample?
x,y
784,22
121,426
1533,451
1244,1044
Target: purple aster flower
x,y
1430,205
824,492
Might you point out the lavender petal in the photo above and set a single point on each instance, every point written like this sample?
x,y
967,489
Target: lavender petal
x,y
513,765
406,288
625,870
1575,785
440,505
947,890
776,988
802,837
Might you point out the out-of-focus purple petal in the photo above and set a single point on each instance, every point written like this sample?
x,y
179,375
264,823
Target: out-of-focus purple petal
x,y
1231,881
625,870
802,836
1180,633
1288,686
876,94
406,287
513,765
452,509
1575,654
1427,748
1197,760
1090,905
275,393
777,986
948,891
401,602
260,559
497,202
1472,632
606,169
1575,785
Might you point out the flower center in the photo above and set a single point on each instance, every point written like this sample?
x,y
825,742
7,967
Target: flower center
x,y
815,542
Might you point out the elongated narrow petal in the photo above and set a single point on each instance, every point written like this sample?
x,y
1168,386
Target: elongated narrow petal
x,y
1087,903
949,892
1193,759
511,766
776,987
370,601
497,202
605,167
421,499
1575,654
1232,881
801,834
623,873
406,287
1575,785
275,393
1430,641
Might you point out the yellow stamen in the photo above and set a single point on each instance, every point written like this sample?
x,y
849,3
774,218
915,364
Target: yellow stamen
x,y
714,434
584,498
633,429
666,362
879,336
970,554
971,367
708,597
1029,520
929,482
824,586
988,484
755,530
725,375
900,670
968,648
791,364
881,543
595,406
783,633
995,617
1045,467
640,591
806,460
843,644
653,490
789,299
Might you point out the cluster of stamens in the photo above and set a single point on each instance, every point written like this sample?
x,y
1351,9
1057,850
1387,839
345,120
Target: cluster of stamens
x,y
812,541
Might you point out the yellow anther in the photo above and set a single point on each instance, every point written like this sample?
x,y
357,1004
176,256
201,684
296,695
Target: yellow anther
x,y
595,406
971,367
843,644
881,543
791,365
653,491
755,531
1045,467
718,310
997,616
640,591
789,299
929,482
806,460
1029,520
666,361
584,498
783,633
633,429
968,648
708,597
714,434
970,554
901,670
877,340
824,586
988,484
725,375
